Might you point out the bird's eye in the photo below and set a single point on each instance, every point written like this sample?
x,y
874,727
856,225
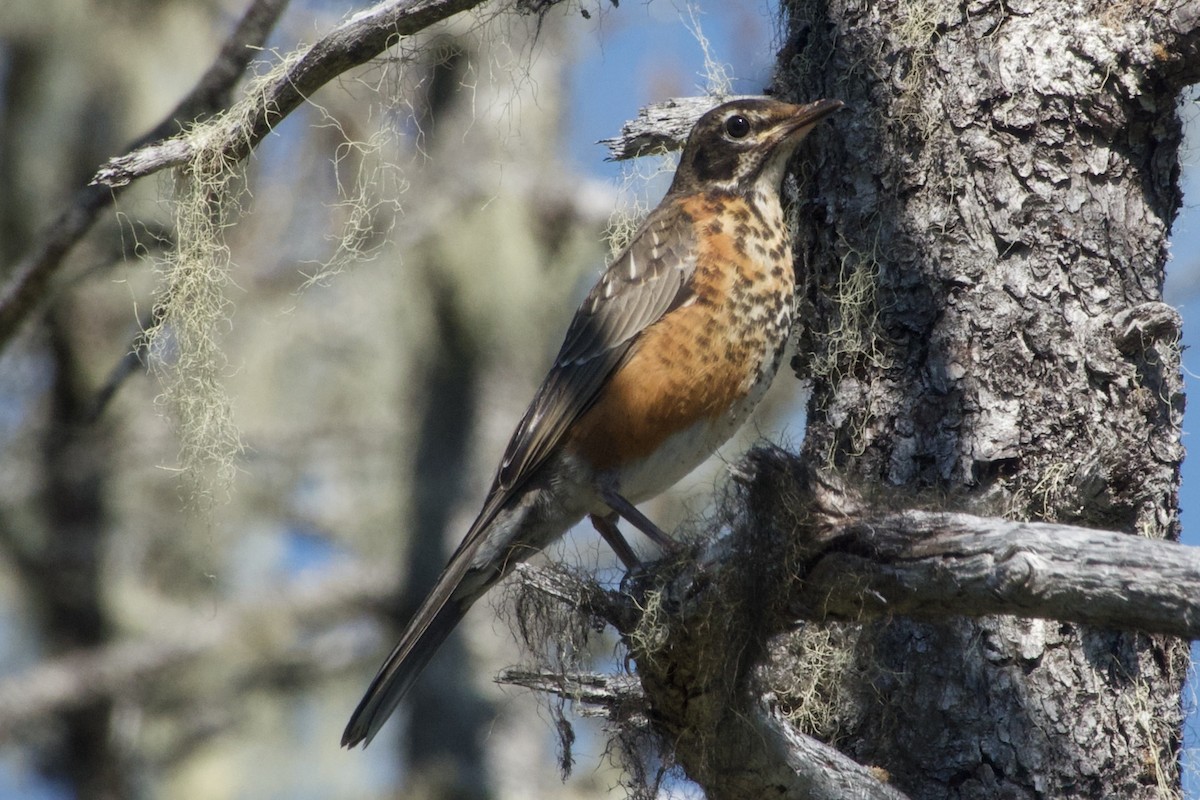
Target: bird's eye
x,y
737,126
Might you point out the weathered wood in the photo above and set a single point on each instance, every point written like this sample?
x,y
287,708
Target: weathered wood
x,y
933,565
791,764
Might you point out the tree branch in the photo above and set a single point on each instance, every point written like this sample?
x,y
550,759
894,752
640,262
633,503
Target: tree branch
x,y
30,277
356,41
850,560
933,565
128,667
818,771
803,767
594,694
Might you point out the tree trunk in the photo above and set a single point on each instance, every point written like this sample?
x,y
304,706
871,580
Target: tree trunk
x,y
444,744
65,573
985,331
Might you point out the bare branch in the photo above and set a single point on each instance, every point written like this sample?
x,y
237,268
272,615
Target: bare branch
x,y
801,767
594,693
30,277
851,560
819,771
936,565
356,41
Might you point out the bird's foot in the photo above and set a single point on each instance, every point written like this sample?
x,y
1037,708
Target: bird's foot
x,y
608,530
628,511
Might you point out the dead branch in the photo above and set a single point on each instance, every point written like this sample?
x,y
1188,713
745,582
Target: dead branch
x,y
355,42
818,771
801,767
594,694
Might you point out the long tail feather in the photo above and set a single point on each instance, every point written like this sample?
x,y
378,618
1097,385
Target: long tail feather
x,y
424,635
456,590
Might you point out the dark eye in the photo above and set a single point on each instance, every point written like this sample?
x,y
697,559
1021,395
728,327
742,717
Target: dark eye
x,y
737,126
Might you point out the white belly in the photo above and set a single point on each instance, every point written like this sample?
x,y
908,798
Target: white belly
x,y
688,449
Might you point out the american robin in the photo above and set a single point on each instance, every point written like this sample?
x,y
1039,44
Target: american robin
x,y
663,361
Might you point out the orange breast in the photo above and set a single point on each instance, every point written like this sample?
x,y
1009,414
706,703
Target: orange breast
x,y
701,359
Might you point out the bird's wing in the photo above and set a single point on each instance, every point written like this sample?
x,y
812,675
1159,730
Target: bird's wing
x,y
652,276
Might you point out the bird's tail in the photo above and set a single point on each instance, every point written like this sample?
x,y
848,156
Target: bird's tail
x,y
458,587
424,635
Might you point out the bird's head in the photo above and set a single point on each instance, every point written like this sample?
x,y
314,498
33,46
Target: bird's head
x,y
743,145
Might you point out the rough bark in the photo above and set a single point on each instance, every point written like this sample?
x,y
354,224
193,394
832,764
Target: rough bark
x,y
987,220
933,564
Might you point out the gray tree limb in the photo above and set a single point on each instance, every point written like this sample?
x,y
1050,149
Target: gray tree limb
x,y
802,767
933,565
595,694
818,771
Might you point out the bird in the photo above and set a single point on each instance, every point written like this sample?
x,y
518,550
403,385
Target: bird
x,y
662,362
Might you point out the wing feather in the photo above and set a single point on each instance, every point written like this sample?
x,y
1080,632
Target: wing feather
x,y
650,277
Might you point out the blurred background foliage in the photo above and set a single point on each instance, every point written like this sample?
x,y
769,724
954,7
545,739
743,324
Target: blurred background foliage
x,y
410,248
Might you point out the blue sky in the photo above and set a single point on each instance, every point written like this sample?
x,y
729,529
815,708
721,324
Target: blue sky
x,y
1183,292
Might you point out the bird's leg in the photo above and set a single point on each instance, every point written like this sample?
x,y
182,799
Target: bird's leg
x,y
636,518
607,528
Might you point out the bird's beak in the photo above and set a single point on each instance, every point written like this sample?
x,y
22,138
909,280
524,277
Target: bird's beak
x,y
799,124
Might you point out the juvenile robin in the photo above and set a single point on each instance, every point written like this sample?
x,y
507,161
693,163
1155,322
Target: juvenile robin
x,y
662,363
